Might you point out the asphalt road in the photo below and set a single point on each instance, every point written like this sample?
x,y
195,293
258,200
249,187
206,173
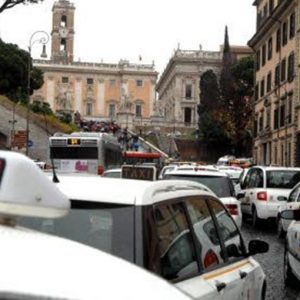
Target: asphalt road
x,y
272,261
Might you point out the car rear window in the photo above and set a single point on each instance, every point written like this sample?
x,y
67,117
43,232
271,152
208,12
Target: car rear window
x,y
282,179
221,186
103,226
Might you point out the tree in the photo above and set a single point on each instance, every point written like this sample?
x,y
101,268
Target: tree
x,y
210,127
14,73
6,4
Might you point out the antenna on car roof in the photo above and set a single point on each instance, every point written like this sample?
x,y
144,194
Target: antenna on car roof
x,y
54,178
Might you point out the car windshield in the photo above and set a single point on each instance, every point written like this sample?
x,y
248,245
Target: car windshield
x,y
282,179
102,226
221,186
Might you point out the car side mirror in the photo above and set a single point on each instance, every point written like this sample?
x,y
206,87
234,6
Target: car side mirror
x,y
240,196
290,214
282,198
257,246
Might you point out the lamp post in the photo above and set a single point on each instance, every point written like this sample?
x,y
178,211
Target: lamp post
x,y
40,37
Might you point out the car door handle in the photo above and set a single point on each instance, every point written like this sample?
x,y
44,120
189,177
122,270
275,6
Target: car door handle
x,y
220,286
243,274
251,193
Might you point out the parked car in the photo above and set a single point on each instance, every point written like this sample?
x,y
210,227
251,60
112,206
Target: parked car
x,y
112,173
179,230
263,191
35,265
234,174
292,249
216,181
292,202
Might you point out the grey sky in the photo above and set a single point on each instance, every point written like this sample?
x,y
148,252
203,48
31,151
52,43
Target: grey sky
x,y
115,29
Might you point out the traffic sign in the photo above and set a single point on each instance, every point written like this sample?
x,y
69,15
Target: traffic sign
x,y
30,143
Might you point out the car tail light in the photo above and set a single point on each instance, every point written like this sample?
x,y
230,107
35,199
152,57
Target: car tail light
x,y
100,170
232,209
262,196
210,259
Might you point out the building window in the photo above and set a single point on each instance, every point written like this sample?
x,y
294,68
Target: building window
x,y
269,82
292,25
256,92
271,6
255,128
63,21
63,45
262,88
291,66
283,70
265,11
138,110
278,40
90,80
188,91
289,110
112,110
263,55
268,117
270,48
261,121
65,79
188,115
112,82
282,115
89,109
139,82
276,118
277,75
284,34
257,60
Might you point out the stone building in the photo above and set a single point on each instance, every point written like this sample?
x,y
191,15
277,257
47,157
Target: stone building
x,y
100,91
178,86
276,44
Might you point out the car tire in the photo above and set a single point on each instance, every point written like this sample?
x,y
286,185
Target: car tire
x,y
289,278
256,221
280,231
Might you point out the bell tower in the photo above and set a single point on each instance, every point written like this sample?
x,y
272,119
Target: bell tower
x,y
62,48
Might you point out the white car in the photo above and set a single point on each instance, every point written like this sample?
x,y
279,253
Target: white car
x,y
292,249
178,230
265,189
292,202
113,173
234,174
35,265
216,181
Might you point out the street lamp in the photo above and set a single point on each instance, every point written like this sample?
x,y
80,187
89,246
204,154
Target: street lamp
x,y
40,37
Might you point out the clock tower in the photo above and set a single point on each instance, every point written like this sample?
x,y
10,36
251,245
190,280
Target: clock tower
x,y
62,31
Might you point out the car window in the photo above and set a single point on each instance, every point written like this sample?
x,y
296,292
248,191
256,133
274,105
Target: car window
x,y
177,253
259,180
246,182
102,226
283,179
252,179
220,185
294,195
228,232
208,243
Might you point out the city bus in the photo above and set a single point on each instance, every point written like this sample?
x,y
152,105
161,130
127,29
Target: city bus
x,y
85,152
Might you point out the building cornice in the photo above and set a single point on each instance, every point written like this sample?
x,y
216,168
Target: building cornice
x,y
269,22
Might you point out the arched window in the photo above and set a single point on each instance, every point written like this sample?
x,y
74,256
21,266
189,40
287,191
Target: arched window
x,y
63,21
63,45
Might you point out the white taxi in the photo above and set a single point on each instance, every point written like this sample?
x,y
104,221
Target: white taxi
x,y
176,229
292,248
39,266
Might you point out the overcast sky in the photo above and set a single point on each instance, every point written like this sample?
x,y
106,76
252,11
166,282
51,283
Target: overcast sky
x,y
111,30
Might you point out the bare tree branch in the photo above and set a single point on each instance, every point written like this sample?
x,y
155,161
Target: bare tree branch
x,y
11,3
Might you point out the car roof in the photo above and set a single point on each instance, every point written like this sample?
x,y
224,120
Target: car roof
x,y
41,266
273,168
198,172
127,191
